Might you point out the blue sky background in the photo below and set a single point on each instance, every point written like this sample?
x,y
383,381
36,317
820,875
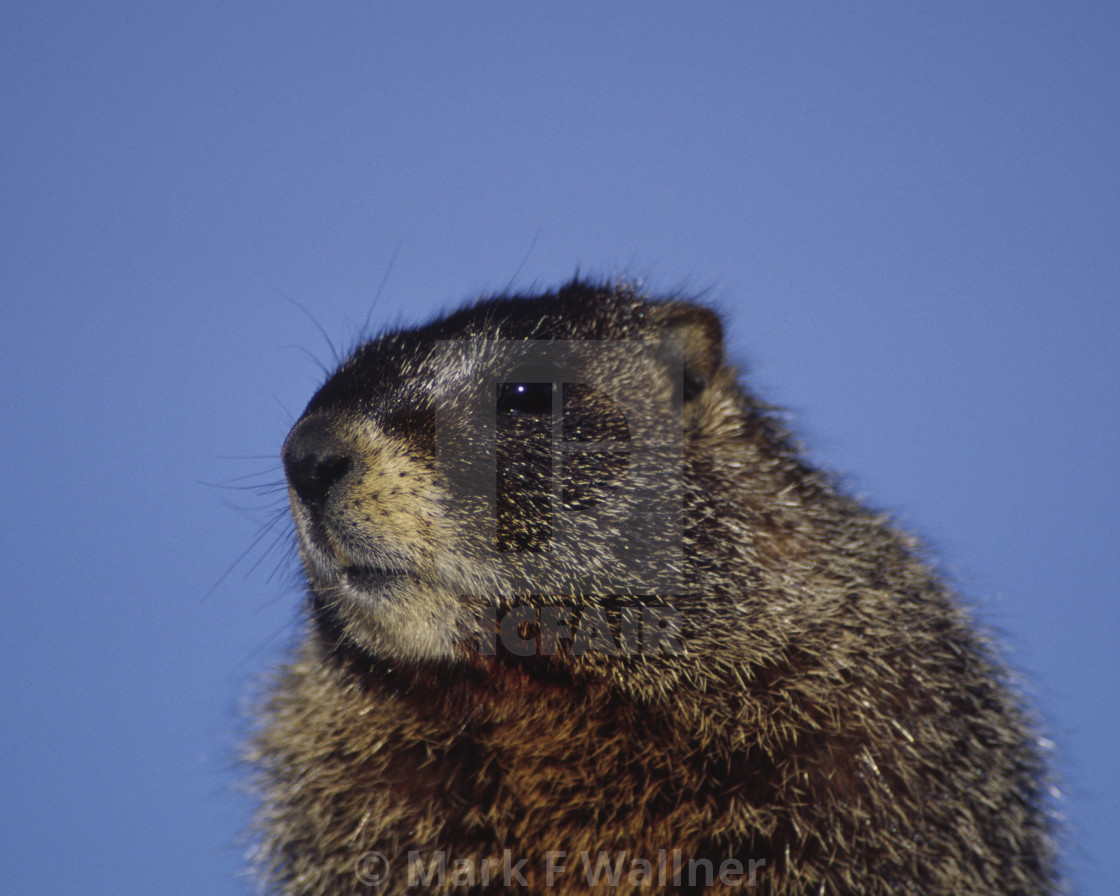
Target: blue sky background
x,y
910,214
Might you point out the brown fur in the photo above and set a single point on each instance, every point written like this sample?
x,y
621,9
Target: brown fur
x,y
834,717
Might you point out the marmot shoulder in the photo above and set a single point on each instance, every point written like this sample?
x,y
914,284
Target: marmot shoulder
x,y
581,617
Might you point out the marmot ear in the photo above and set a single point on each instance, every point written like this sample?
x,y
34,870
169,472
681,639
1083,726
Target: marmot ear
x,y
699,333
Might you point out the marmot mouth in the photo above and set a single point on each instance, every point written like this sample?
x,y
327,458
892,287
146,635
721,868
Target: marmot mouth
x,y
372,578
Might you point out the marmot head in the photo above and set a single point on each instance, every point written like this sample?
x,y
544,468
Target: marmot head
x,y
518,451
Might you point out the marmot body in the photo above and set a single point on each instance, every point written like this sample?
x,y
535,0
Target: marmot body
x,y
827,721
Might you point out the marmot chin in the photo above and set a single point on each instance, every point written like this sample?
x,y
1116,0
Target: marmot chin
x,y
581,617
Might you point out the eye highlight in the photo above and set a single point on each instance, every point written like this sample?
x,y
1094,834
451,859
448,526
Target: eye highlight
x,y
525,398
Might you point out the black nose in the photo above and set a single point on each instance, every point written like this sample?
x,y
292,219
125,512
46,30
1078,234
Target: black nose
x,y
314,460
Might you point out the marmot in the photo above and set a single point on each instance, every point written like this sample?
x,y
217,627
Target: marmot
x,y
581,618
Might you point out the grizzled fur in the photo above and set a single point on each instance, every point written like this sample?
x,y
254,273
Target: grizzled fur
x,y
833,716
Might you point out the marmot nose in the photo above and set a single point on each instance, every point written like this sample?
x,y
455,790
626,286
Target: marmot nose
x,y
314,460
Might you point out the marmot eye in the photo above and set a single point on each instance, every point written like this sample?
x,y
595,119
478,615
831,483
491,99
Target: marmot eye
x,y
525,398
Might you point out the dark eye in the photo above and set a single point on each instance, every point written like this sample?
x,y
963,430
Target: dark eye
x,y
525,398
